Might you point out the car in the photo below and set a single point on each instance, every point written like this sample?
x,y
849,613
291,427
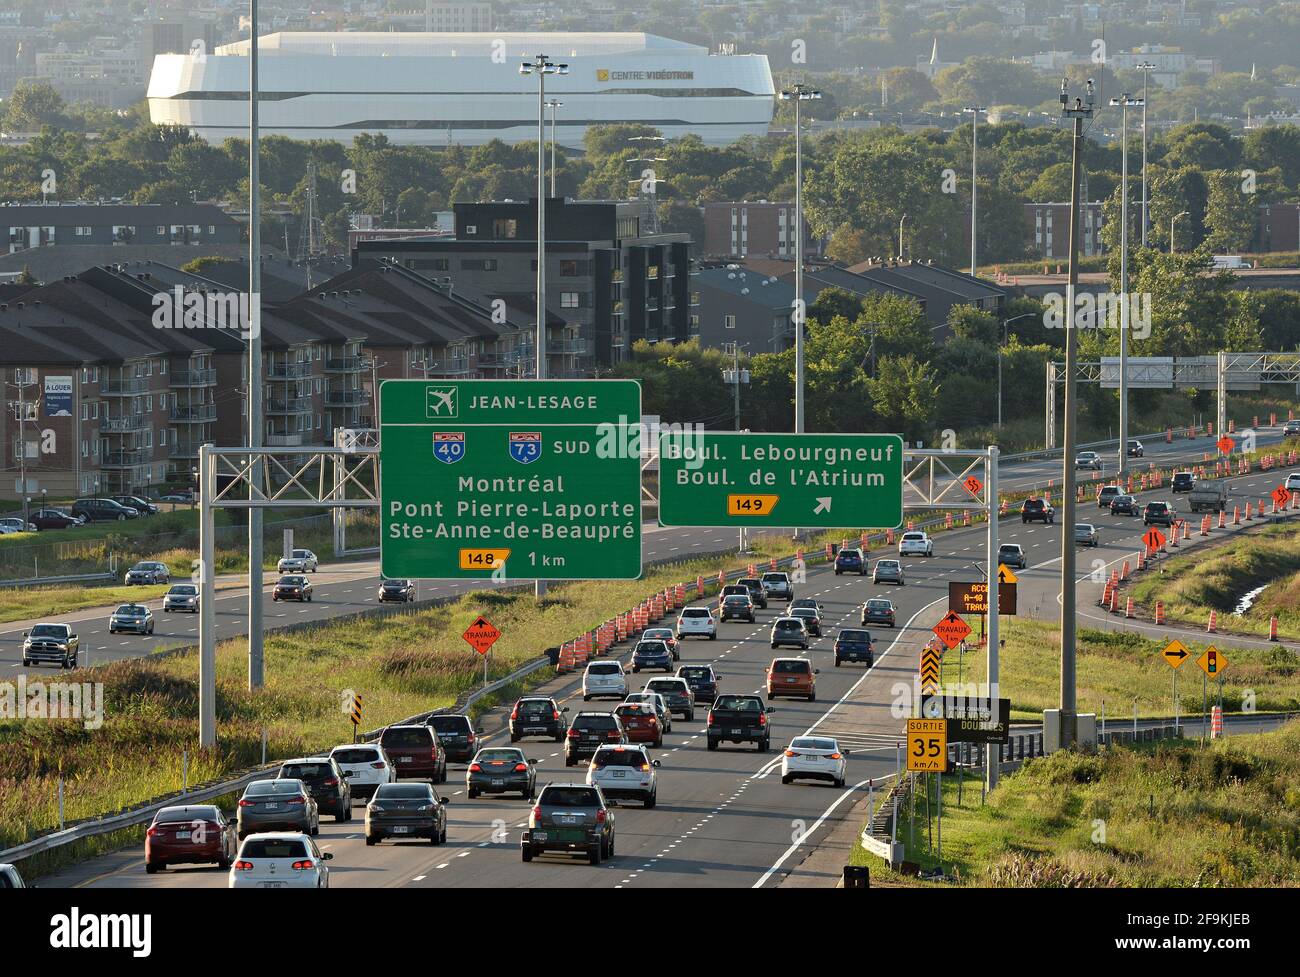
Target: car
x,y
789,631
501,770
1088,459
640,723
1085,533
657,702
702,679
1108,494
1158,514
588,731
739,719
1037,510
1291,428
777,585
1135,448
792,677
737,607
888,571
734,588
677,695
268,805
649,654
811,618
142,506
1126,504
400,590
16,524
10,877
103,510
298,561
365,765
147,572
415,752
850,561
1182,482
696,620
325,782
538,716
1013,555
755,587
189,834
181,597
1293,482
877,610
292,588
854,645
44,519
456,733
667,635
280,860
625,772
605,679
814,758
406,811
915,543
178,498
569,818
135,618
812,602
51,643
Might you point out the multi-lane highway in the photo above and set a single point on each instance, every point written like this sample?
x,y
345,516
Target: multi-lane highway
x,y
723,818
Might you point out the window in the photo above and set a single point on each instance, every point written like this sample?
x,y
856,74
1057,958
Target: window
x,y
471,229
728,322
212,228
162,437
162,401
85,449
148,403
478,264
85,411
568,300
161,229
504,228
652,271
162,367
572,268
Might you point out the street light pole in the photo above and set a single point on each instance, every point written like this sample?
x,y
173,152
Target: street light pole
x,y
1123,102
974,111
256,670
1173,220
799,94
1146,67
1078,111
901,221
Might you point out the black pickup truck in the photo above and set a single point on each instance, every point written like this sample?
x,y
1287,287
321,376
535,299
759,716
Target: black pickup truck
x,y
740,719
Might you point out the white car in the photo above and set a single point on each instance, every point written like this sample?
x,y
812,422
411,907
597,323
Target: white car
x,y
280,860
15,524
301,561
696,620
1293,482
603,679
915,543
9,877
814,758
1088,459
366,766
625,772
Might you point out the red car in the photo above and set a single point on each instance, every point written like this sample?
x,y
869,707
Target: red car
x,y
416,753
197,833
640,723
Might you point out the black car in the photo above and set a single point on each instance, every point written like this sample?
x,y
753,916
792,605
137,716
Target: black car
x,y
103,510
1158,513
406,811
292,588
570,818
1126,505
456,734
739,719
1037,510
135,502
501,770
402,591
1183,482
755,587
53,519
652,654
877,610
737,607
589,731
538,716
702,680
328,787
854,645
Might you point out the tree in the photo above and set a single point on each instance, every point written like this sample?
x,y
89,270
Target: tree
x,y
1203,146
1230,214
832,302
849,245
905,396
1190,304
680,217
1052,185
971,323
33,105
1269,146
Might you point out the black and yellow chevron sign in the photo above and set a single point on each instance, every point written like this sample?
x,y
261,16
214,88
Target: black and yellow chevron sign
x,y
931,661
355,712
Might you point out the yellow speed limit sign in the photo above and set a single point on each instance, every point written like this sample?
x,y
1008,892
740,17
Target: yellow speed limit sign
x,y
927,745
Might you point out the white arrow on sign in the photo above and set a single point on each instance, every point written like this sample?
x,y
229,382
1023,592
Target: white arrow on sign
x,y
823,504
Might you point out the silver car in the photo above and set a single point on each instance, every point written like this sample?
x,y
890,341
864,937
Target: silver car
x,y
1085,534
603,679
280,860
131,617
888,571
181,597
625,772
148,572
299,561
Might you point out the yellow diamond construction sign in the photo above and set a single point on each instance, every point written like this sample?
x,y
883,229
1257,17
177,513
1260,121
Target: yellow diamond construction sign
x,y
1212,661
1175,653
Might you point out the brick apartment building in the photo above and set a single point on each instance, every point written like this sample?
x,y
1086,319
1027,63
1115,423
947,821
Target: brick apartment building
x,y
752,228
1048,229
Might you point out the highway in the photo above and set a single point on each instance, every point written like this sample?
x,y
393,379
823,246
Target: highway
x,y
723,819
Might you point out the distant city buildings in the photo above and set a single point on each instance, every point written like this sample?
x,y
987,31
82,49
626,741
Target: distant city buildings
x,y
738,229
1048,227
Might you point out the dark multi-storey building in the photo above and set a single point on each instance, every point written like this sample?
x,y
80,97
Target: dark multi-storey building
x,y
757,228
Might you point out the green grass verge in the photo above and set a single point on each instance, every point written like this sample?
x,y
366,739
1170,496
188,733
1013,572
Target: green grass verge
x,y
1175,814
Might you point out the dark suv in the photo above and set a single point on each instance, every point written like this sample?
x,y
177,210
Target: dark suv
x,y
538,716
457,736
415,752
1183,482
1037,510
325,781
589,731
850,561
755,587
570,818
702,680
103,510
1158,513
138,504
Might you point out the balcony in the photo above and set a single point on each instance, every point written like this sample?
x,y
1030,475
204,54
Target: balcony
x,y
284,440
288,371
125,459
573,347
288,405
124,386
193,413
124,424
695,298
347,364
193,378
616,276
347,398
183,451
447,368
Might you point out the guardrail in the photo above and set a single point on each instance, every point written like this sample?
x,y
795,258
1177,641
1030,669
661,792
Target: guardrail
x,y
1086,446
45,581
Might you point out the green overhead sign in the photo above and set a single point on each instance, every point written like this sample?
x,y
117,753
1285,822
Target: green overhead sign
x,y
518,478
809,480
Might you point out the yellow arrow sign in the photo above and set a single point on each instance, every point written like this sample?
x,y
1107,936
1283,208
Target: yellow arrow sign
x,y
1175,654
1212,661
1005,575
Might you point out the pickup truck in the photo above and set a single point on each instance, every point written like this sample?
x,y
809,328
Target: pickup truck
x,y
739,719
1208,497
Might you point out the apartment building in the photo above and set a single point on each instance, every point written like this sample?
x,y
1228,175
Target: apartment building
x,y
1048,229
740,229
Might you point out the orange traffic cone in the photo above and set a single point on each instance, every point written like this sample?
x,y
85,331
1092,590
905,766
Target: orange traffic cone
x,y
1160,612
1223,518
1212,626
1272,628
1128,609
1114,601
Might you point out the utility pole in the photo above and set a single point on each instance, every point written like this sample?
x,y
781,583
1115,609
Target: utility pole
x,y
1078,111
1124,102
901,221
21,381
255,422
799,94
1146,67
974,111
553,104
